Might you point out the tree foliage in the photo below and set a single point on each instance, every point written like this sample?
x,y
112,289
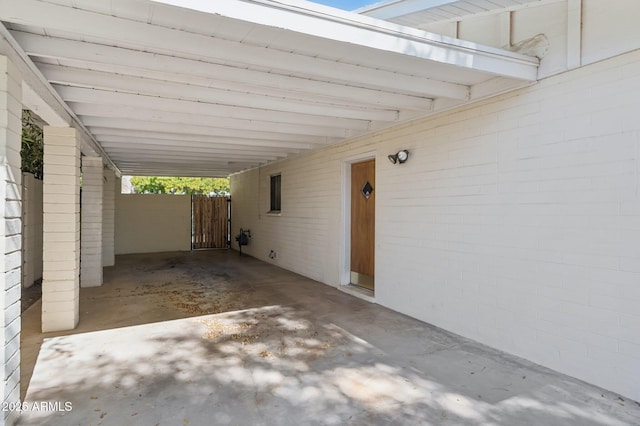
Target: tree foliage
x,y
32,150
180,185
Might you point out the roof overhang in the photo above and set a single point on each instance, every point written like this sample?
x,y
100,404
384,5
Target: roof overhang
x,y
418,13
201,88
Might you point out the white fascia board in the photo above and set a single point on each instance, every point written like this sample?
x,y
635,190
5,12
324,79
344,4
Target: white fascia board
x,y
347,27
398,8
394,8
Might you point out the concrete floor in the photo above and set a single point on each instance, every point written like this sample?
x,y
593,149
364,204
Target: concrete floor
x,y
211,338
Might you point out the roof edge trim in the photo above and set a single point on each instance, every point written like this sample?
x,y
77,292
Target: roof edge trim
x,y
330,23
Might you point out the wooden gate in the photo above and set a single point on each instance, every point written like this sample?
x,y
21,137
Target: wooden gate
x,y
210,222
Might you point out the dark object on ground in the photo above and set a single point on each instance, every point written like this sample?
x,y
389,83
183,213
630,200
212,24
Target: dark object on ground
x,y
31,295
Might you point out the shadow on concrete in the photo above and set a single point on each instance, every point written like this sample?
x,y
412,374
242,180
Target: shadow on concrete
x,y
298,352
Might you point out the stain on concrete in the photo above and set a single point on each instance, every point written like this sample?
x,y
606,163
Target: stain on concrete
x,y
212,338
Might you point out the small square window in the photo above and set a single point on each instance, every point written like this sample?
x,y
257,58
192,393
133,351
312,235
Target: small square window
x,y
276,193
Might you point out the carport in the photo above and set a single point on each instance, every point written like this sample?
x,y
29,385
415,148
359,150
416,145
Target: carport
x,y
194,88
184,88
188,88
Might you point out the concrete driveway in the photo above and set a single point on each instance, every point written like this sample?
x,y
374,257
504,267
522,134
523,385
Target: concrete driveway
x,y
211,338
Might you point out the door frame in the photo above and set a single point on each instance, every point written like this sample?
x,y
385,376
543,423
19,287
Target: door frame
x,y
345,214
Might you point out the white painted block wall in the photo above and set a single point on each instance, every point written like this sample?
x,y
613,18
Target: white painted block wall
x,y
527,225
302,235
151,223
10,237
515,222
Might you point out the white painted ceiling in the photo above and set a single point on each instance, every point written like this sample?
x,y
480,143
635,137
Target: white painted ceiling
x,y
209,88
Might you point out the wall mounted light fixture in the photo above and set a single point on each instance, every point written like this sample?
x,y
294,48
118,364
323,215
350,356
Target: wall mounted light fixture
x,y
399,157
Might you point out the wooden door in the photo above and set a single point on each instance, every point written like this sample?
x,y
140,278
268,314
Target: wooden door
x,y
210,222
363,213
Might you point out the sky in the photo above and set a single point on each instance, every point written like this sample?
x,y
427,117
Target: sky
x,y
346,4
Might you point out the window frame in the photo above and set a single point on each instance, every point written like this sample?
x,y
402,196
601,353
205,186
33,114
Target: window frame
x,y
275,193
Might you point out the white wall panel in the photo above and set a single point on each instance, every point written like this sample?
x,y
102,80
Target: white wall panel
x,y
484,30
609,28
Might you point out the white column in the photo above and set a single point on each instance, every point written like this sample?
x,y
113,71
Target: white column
x,y
91,222
61,239
10,233
109,218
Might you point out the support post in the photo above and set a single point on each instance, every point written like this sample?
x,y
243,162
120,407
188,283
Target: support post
x,y
91,222
109,218
61,239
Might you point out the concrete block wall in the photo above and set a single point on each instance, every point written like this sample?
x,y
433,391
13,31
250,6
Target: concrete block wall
x,y
31,229
91,222
10,234
301,235
61,239
525,231
109,218
147,223
515,222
